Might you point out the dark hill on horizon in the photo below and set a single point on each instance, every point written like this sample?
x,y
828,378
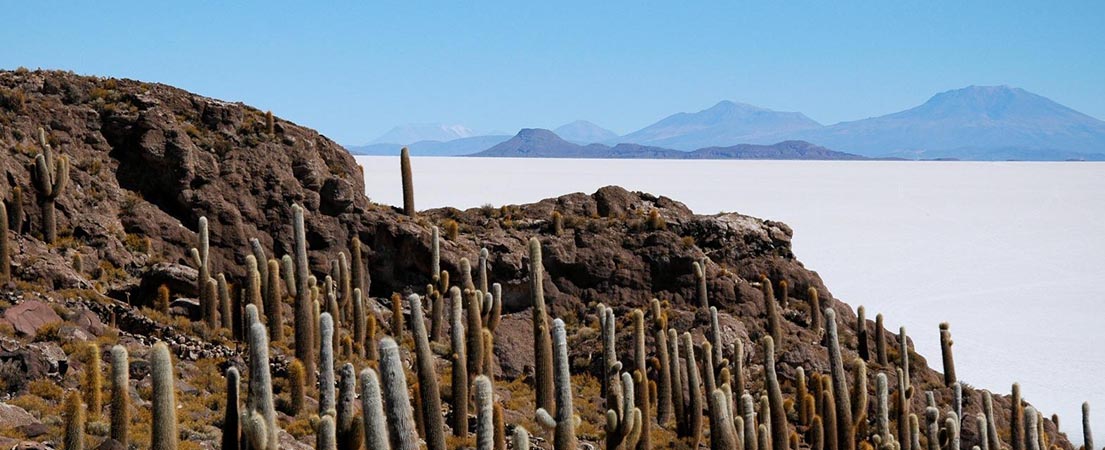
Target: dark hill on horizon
x,y
540,143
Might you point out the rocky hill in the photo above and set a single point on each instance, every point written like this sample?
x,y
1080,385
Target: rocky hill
x,y
148,163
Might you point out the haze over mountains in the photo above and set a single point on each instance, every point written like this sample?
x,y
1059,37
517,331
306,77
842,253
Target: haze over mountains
x,y
974,123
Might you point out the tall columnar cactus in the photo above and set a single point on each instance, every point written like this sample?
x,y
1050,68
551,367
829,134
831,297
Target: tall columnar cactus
x,y
1032,427
542,343
951,428
946,353
1016,421
93,382
774,327
664,386
466,275
427,379
259,419
694,396
5,246
495,310
349,432
903,355
859,392
817,434
372,408
397,316
1087,434
610,364
749,419
226,316
200,258
882,409
957,395
914,432
400,415
259,252
475,336
51,176
564,421
817,322
829,408
437,316
74,422
297,387
304,320
932,427
903,395
644,402
779,430
120,394
232,427
482,271
408,182
485,425
488,352
345,286
805,411
722,433
700,285
991,423
15,210
357,269
327,433
983,431
863,347
845,431
715,336
253,286
274,301
435,253
623,417
677,400
880,341
326,394
459,359
500,426
164,428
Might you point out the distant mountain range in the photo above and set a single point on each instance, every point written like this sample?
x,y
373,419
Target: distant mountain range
x,y
539,143
973,123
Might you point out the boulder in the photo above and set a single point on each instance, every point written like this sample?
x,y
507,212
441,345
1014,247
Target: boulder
x,y
30,316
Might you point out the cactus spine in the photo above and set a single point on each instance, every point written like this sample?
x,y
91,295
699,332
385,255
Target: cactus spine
x,y
946,353
304,320
120,394
779,431
232,428
400,416
774,328
845,432
5,251
74,422
542,344
51,176
326,400
564,421
164,428
372,407
432,422
485,425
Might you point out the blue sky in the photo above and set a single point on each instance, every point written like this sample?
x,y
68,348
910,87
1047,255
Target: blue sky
x,y
354,70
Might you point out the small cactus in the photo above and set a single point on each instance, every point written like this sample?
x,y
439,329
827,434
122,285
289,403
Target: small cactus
x,y
475,336
482,271
863,348
946,353
435,252
400,415
260,424
520,439
200,258
297,387
74,422
372,407
694,403
397,316
700,285
161,304
120,395
327,433
817,322
623,417
408,182
274,300
360,323
932,427
557,223
270,123
164,428
831,429
903,355
466,275
349,432
880,341
225,315
983,432
564,422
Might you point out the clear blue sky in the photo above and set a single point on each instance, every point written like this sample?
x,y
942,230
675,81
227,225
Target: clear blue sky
x,y
354,70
